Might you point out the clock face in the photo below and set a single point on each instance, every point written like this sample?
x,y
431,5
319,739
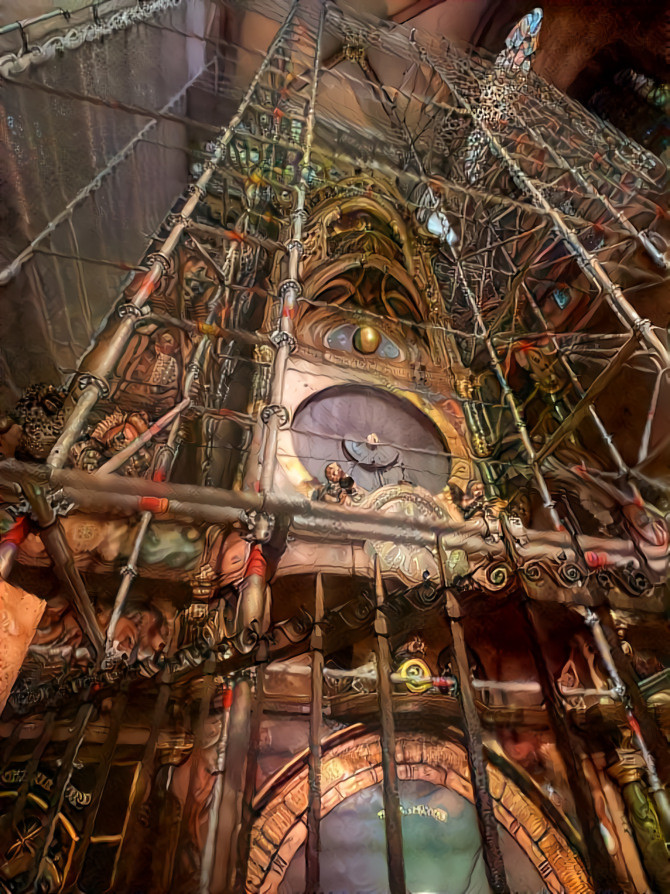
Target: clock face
x,y
376,437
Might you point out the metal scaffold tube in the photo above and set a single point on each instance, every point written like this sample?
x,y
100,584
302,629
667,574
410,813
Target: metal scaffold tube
x,y
589,263
313,846
207,860
622,468
163,464
95,381
606,654
126,863
39,863
472,728
519,422
274,414
569,748
395,859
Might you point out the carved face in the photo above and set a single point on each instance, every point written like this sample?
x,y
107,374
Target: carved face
x,y
166,343
334,472
195,281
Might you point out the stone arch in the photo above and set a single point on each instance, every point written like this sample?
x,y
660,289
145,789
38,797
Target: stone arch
x,y
351,764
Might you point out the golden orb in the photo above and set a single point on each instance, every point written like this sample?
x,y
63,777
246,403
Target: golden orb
x,y
416,675
367,339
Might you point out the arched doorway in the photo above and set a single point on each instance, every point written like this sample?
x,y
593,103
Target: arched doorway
x,y
351,766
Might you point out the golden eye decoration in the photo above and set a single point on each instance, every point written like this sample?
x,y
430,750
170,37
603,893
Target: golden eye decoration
x,y
366,340
413,673
363,339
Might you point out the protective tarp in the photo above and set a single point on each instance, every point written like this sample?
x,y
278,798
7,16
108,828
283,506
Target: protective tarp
x,y
63,124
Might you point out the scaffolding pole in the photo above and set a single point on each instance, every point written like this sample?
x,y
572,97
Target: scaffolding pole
x,y
313,848
569,747
208,851
395,859
95,381
274,414
588,262
472,728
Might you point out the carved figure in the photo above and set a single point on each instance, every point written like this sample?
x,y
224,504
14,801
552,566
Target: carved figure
x,y
139,633
112,434
150,372
338,485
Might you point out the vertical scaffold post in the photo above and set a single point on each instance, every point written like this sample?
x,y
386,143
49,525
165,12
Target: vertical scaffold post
x,y
131,841
95,381
312,851
392,815
248,813
601,867
208,851
224,870
104,760
274,414
488,826
39,865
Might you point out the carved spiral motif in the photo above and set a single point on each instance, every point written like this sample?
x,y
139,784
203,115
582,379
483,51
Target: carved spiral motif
x,y
497,576
533,572
570,574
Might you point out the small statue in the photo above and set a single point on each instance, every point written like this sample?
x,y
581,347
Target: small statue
x,y
338,485
87,455
112,434
164,372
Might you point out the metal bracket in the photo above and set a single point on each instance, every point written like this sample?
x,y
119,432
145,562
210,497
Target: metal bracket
x,y
177,218
16,510
60,503
642,326
128,309
158,258
275,410
86,379
279,337
195,190
295,245
289,285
